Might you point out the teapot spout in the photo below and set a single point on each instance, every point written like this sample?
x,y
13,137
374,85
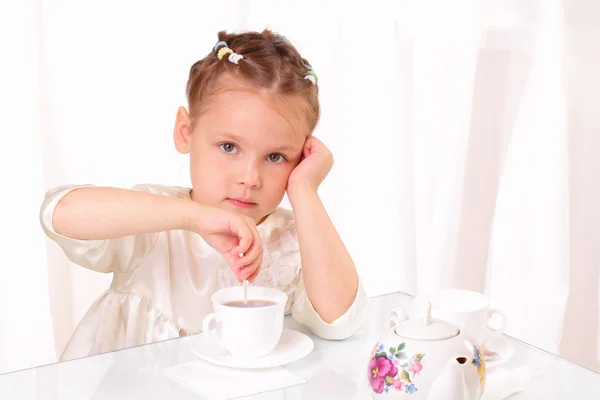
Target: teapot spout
x,y
450,385
459,361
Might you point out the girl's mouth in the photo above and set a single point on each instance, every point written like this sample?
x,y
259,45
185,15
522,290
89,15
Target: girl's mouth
x,y
241,203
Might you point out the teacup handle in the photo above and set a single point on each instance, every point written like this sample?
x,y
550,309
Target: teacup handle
x,y
397,315
497,333
208,319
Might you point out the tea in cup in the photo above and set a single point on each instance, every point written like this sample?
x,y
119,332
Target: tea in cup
x,y
251,328
469,311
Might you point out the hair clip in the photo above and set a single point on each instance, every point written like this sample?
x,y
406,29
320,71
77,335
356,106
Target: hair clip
x,y
220,44
223,49
283,39
311,75
235,57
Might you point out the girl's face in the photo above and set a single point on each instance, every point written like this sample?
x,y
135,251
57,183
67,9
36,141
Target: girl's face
x,y
242,151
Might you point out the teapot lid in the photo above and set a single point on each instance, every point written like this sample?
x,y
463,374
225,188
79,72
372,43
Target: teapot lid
x,y
426,328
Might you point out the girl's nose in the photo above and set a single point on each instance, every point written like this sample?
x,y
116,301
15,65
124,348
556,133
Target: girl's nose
x,y
250,175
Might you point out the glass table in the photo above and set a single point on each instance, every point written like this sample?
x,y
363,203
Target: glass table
x,y
333,370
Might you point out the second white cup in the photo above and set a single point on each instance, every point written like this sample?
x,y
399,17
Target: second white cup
x,y
469,311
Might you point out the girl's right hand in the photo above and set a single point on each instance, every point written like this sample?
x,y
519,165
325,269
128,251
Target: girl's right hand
x,y
231,234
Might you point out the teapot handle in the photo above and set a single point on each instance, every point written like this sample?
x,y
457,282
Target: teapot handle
x,y
397,315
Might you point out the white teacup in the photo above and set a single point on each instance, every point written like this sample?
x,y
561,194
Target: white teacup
x,y
249,330
469,311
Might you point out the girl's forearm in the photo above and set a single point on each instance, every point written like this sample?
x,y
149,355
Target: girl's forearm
x,y
89,213
330,276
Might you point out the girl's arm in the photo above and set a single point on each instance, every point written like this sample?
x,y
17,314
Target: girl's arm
x,y
91,213
95,213
330,277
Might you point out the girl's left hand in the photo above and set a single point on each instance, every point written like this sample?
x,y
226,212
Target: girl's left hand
x,y
315,164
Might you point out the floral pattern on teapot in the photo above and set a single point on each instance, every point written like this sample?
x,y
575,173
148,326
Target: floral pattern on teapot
x,y
392,370
479,362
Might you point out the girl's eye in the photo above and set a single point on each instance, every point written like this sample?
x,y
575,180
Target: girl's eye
x,y
229,148
276,158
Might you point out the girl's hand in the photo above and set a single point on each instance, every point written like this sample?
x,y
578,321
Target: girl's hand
x,y
314,166
231,234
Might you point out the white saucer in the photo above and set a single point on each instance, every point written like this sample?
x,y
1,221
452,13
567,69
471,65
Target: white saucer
x,y
292,346
504,351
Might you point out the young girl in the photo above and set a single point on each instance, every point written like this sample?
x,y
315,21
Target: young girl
x,y
252,107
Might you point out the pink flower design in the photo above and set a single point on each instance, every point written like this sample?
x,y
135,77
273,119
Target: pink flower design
x,y
415,368
379,368
398,384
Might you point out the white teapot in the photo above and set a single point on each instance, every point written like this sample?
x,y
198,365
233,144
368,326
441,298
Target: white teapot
x,y
427,359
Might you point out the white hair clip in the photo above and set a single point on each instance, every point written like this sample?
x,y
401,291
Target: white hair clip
x,y
311,75
311,78
235,57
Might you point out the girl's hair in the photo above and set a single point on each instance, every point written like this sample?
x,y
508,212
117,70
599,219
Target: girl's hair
x,y
270,63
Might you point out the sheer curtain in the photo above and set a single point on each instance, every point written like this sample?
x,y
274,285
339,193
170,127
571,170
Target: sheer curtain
x,y
466,138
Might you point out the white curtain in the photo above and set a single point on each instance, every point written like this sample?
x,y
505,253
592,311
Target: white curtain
x,y
466,136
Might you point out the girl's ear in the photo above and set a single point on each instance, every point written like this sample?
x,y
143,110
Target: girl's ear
x,y
182,131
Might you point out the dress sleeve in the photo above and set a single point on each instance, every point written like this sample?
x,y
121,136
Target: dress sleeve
x,y
342,328
111,255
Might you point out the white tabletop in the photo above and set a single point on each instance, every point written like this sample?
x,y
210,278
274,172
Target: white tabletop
x,y
138,373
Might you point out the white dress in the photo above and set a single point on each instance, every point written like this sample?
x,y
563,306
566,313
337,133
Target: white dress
x,y
162,282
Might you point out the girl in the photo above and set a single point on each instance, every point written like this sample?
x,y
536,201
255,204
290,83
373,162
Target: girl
x,y
252,107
